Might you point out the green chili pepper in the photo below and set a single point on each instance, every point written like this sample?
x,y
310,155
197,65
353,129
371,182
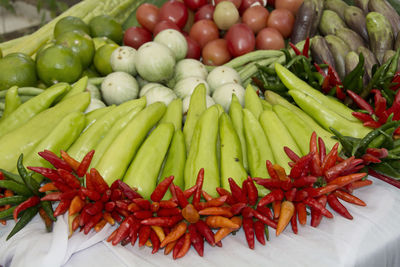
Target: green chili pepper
x,y
387,169
293,83
174,114
12,200
77,87
12,176
115,160
26,217
31,108
96,114
12,102
347,145
8,213
18,141
145,167
196,107
258,148
252,101
25,176
17,188
117,127
46,205
236,114
175,161
231,153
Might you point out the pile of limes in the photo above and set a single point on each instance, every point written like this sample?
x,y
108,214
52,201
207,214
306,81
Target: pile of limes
x,y
77,49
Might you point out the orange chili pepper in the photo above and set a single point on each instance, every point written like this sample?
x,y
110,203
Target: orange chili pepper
x,y
113,234
3,222
217,221
190,214
280,171
100,225
48,187
221,211
286,213
215,202
206,196
170,247
76,205
47,221
159,232
107,216
301,213
71,219
185,248
349,198
225,231
276,206
175,234
361,183
74,164
8,193
347,179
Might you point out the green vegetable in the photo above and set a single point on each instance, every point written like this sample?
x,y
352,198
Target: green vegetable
x,y
12,200
17,188
77,87
236,114
231,153
31,108
115,160
174,114
96,114
26,217
12,102
18,141
252,101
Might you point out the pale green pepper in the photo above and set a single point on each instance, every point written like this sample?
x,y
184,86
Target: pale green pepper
x,y
236,114
145,167
174,114
78,87
12,102
96,114
93,135
26,137
252,101
115,160
231,153
31,107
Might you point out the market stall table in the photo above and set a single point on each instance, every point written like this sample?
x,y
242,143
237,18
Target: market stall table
x,y
372,238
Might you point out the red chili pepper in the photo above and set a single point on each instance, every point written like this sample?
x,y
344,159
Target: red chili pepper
x,y
272,173
252,192
96,208
161,189
248,229
206,196
98,181
85,163
1,176
121,205
335,204
259,230
196,240
223,192
330,159
62,207
106,195
142,203
237,208
291,154
178,246
215,202
301,213
378,152
347,179
167,204
291,194
334,78
162,221
276,206
274,195
92,222
264,219
306,47
190,191
322,149
340,93
46,172
338,169
323,190
74,164
304,181
361,183
133,207
362,116
92,195
165,212
318,206
272,183
116,194
109,206
154,241
30,202
295,49
128,191
69,178
144,234
368,158
123,230
185,247
182,200
116,216
55,196
237,193
134,232
316,215
69,194
372,124
199,183
301,165
293,222
349,198
143,214
55,160
205,231
380,102
264,210
222,211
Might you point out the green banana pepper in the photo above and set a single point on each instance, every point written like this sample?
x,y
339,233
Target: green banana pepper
x,y
77,87
12,102
96,114
174,114
252,101
236,114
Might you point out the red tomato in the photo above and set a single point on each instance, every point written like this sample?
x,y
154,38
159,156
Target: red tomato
x,y
282,20
270,38
194,50
165,24
256,17
147,16
136,36
174,11
240,39
216,53
205,12
204,31
237,3
195,4
292,5
247,3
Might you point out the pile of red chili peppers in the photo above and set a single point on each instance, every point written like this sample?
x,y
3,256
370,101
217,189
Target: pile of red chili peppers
x,y
4,193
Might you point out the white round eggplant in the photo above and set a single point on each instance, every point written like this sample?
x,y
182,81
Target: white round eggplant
x,y
223,94
123,59
119,87
222,75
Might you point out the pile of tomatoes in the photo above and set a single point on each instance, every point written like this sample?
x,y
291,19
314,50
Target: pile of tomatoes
x,y
219,30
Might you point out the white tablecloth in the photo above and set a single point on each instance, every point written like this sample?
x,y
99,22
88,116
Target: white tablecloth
x,y
372,238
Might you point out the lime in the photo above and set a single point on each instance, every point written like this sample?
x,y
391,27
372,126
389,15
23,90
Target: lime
x,y
104,25
43,47
102,58
90,72
100,41
81,45
68,24
58,64
17,69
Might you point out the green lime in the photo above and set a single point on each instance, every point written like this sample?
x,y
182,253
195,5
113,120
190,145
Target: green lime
x,y
81,45
43,47
91,72
100,41
102,59
17,69
58,64
68,24
104,25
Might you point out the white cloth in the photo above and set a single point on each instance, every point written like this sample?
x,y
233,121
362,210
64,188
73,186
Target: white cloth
x,y
372,238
